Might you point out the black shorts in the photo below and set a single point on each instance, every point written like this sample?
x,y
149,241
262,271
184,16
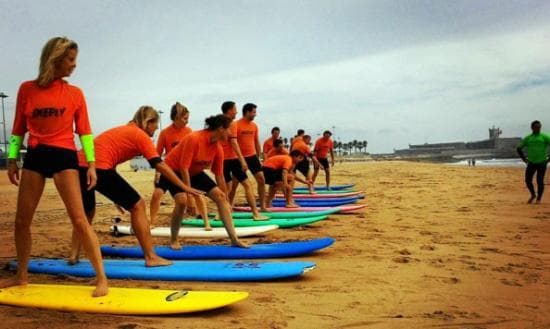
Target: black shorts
x,y
272,176
303,167
253,164
200,181
112,186
48,160
232,168
324,163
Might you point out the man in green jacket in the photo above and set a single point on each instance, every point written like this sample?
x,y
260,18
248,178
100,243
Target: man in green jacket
x,y
537,158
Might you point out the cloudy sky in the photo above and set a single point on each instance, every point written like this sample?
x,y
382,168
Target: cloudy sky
x,y
390,72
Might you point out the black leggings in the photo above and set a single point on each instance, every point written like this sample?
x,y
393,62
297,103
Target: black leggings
x,y
540,170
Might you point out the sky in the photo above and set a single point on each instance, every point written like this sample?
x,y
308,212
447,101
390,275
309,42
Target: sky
x,y
389,72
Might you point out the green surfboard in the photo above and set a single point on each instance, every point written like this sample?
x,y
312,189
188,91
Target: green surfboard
x,y
282,222
290,214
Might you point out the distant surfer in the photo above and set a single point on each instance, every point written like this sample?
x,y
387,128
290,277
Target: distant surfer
x,y
537,158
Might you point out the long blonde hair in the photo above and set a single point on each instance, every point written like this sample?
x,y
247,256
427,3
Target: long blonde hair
x,y
53,52
144,115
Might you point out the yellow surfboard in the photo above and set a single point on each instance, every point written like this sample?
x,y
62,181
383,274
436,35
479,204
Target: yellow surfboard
x,y
118,301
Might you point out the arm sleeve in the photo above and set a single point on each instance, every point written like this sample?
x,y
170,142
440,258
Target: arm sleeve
x,y
15,146
82,122
20,122
87,142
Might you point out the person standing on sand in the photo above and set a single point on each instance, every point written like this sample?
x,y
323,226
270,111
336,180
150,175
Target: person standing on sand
x,y
537,159
198,151
47,108
234,164
115,146
168,139
269,143
323,147
249,143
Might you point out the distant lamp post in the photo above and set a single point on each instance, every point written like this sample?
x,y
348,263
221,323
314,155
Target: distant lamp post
x,y
2,95
160,120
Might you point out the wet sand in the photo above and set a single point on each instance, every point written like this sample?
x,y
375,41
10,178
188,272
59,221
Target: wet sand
x,y
437,246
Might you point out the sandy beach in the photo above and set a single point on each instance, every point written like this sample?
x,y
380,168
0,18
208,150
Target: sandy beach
x,y
437,246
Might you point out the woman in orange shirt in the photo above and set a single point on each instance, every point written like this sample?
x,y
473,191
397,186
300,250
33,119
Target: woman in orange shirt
x,y
115,146
198,151
47,108
168,139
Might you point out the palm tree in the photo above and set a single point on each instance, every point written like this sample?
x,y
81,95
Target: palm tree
x,y
354,144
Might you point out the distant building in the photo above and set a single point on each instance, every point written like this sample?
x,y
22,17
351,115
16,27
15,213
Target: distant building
x,y
494,147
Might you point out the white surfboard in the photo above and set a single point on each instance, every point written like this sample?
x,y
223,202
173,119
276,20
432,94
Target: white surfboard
x,y
198,232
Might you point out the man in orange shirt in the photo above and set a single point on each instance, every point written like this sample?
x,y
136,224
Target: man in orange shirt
x,y
249,143
198,151
168,139
302,145
269,143
278,149
277,171
234,164
323,147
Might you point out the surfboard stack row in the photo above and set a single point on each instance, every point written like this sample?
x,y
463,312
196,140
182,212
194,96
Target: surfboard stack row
x,y
191,263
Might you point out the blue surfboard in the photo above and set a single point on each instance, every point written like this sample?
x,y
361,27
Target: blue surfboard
x,y
269,250
179,271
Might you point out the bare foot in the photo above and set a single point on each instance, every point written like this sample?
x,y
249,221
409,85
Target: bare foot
x,y
538,201
73,260
175,245
292,205
101,289
260,217
13,281
158,261
531,199
208,228
240,244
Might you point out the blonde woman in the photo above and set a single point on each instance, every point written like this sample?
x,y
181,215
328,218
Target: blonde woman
x,y
169,137
115,146
47,108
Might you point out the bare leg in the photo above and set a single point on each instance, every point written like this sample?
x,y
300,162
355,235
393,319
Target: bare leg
x,y
75,241
260,181
315,173
232,190
289,193
271,194
203,211
68,186
251,200
175,222
30,191
143,234
327,178
154,206
225,213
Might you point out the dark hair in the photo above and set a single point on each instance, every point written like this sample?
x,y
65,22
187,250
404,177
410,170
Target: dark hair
x,y
300,132
275,129
306,136
295,153
277,142
226,106
215,121
536,122
248,107
327,132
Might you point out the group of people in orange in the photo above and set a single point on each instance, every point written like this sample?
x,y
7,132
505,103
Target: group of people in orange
x,y
51,110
